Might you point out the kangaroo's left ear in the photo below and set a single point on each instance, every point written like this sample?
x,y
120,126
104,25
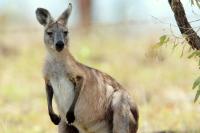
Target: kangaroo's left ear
x,y
63,19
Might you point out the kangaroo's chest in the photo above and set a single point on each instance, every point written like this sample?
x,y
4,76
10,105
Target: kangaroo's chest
x,y
63,89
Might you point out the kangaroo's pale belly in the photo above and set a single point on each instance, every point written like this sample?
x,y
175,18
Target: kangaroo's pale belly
x,y
64,94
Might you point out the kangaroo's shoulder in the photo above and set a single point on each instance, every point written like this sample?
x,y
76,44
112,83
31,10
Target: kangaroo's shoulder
x,y
95,74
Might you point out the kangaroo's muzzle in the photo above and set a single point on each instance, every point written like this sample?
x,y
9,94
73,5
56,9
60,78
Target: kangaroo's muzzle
x,y
59,46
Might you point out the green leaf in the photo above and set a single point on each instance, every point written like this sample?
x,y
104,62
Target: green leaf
x,y
191,55
198,4
163,40
196,83
167,40
197,95
194,54
192,2
195,2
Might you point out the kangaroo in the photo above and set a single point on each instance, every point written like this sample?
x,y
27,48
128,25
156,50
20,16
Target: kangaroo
x,y
88,101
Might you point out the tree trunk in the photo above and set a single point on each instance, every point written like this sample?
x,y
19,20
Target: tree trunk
x,y
85,12
184,26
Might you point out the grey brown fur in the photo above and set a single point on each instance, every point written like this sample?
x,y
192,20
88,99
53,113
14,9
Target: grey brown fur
x,y
88,101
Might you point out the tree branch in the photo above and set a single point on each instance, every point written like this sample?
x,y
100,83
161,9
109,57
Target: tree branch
x,y
184,26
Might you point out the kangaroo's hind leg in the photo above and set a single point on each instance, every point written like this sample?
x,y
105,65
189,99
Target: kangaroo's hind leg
x,y
124,120
63,127
134,117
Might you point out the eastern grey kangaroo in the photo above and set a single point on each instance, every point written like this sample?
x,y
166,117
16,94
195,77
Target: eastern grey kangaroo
x,y
88,100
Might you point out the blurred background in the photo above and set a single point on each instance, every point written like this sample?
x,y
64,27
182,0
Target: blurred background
x,y
115,36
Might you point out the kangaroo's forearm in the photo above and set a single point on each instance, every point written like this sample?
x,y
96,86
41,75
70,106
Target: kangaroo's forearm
x,y
79,83
54,118
49,92
78,86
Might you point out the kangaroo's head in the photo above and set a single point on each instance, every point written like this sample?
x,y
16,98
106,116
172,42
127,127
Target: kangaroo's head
x,y
55,32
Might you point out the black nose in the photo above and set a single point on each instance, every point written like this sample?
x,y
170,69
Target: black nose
x,y
59,46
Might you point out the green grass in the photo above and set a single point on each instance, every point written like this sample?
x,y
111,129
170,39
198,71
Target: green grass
x,y
159,81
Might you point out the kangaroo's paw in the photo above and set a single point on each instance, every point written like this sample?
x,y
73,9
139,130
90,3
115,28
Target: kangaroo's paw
x,y
55,119
70,117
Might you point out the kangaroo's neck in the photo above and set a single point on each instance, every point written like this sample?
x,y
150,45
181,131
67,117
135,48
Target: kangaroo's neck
x,y
64,58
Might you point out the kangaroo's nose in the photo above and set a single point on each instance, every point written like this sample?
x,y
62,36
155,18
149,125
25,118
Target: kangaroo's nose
x,y
59,46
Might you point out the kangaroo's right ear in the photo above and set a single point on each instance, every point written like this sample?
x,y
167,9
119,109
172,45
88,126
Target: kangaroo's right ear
x,y
63,19
43,16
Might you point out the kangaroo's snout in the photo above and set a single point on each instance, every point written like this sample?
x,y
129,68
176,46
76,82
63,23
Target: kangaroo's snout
x,y
59,46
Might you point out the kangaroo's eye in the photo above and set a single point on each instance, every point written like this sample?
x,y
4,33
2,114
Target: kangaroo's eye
x,y
49,33
65,33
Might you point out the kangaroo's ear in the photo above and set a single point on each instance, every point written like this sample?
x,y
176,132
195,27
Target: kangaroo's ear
x,y
43,16
63,19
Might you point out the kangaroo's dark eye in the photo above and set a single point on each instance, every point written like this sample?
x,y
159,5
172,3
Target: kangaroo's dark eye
x,y
49,33
65,33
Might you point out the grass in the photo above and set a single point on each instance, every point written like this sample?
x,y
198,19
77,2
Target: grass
x,y
159,81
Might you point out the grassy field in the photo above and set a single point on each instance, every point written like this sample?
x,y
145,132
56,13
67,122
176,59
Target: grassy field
x,y
159,80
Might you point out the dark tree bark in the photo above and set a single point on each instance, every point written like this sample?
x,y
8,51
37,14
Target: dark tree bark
x,y
184,26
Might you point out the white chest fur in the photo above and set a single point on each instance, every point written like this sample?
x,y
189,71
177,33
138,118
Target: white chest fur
x,y
63,90
64,94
